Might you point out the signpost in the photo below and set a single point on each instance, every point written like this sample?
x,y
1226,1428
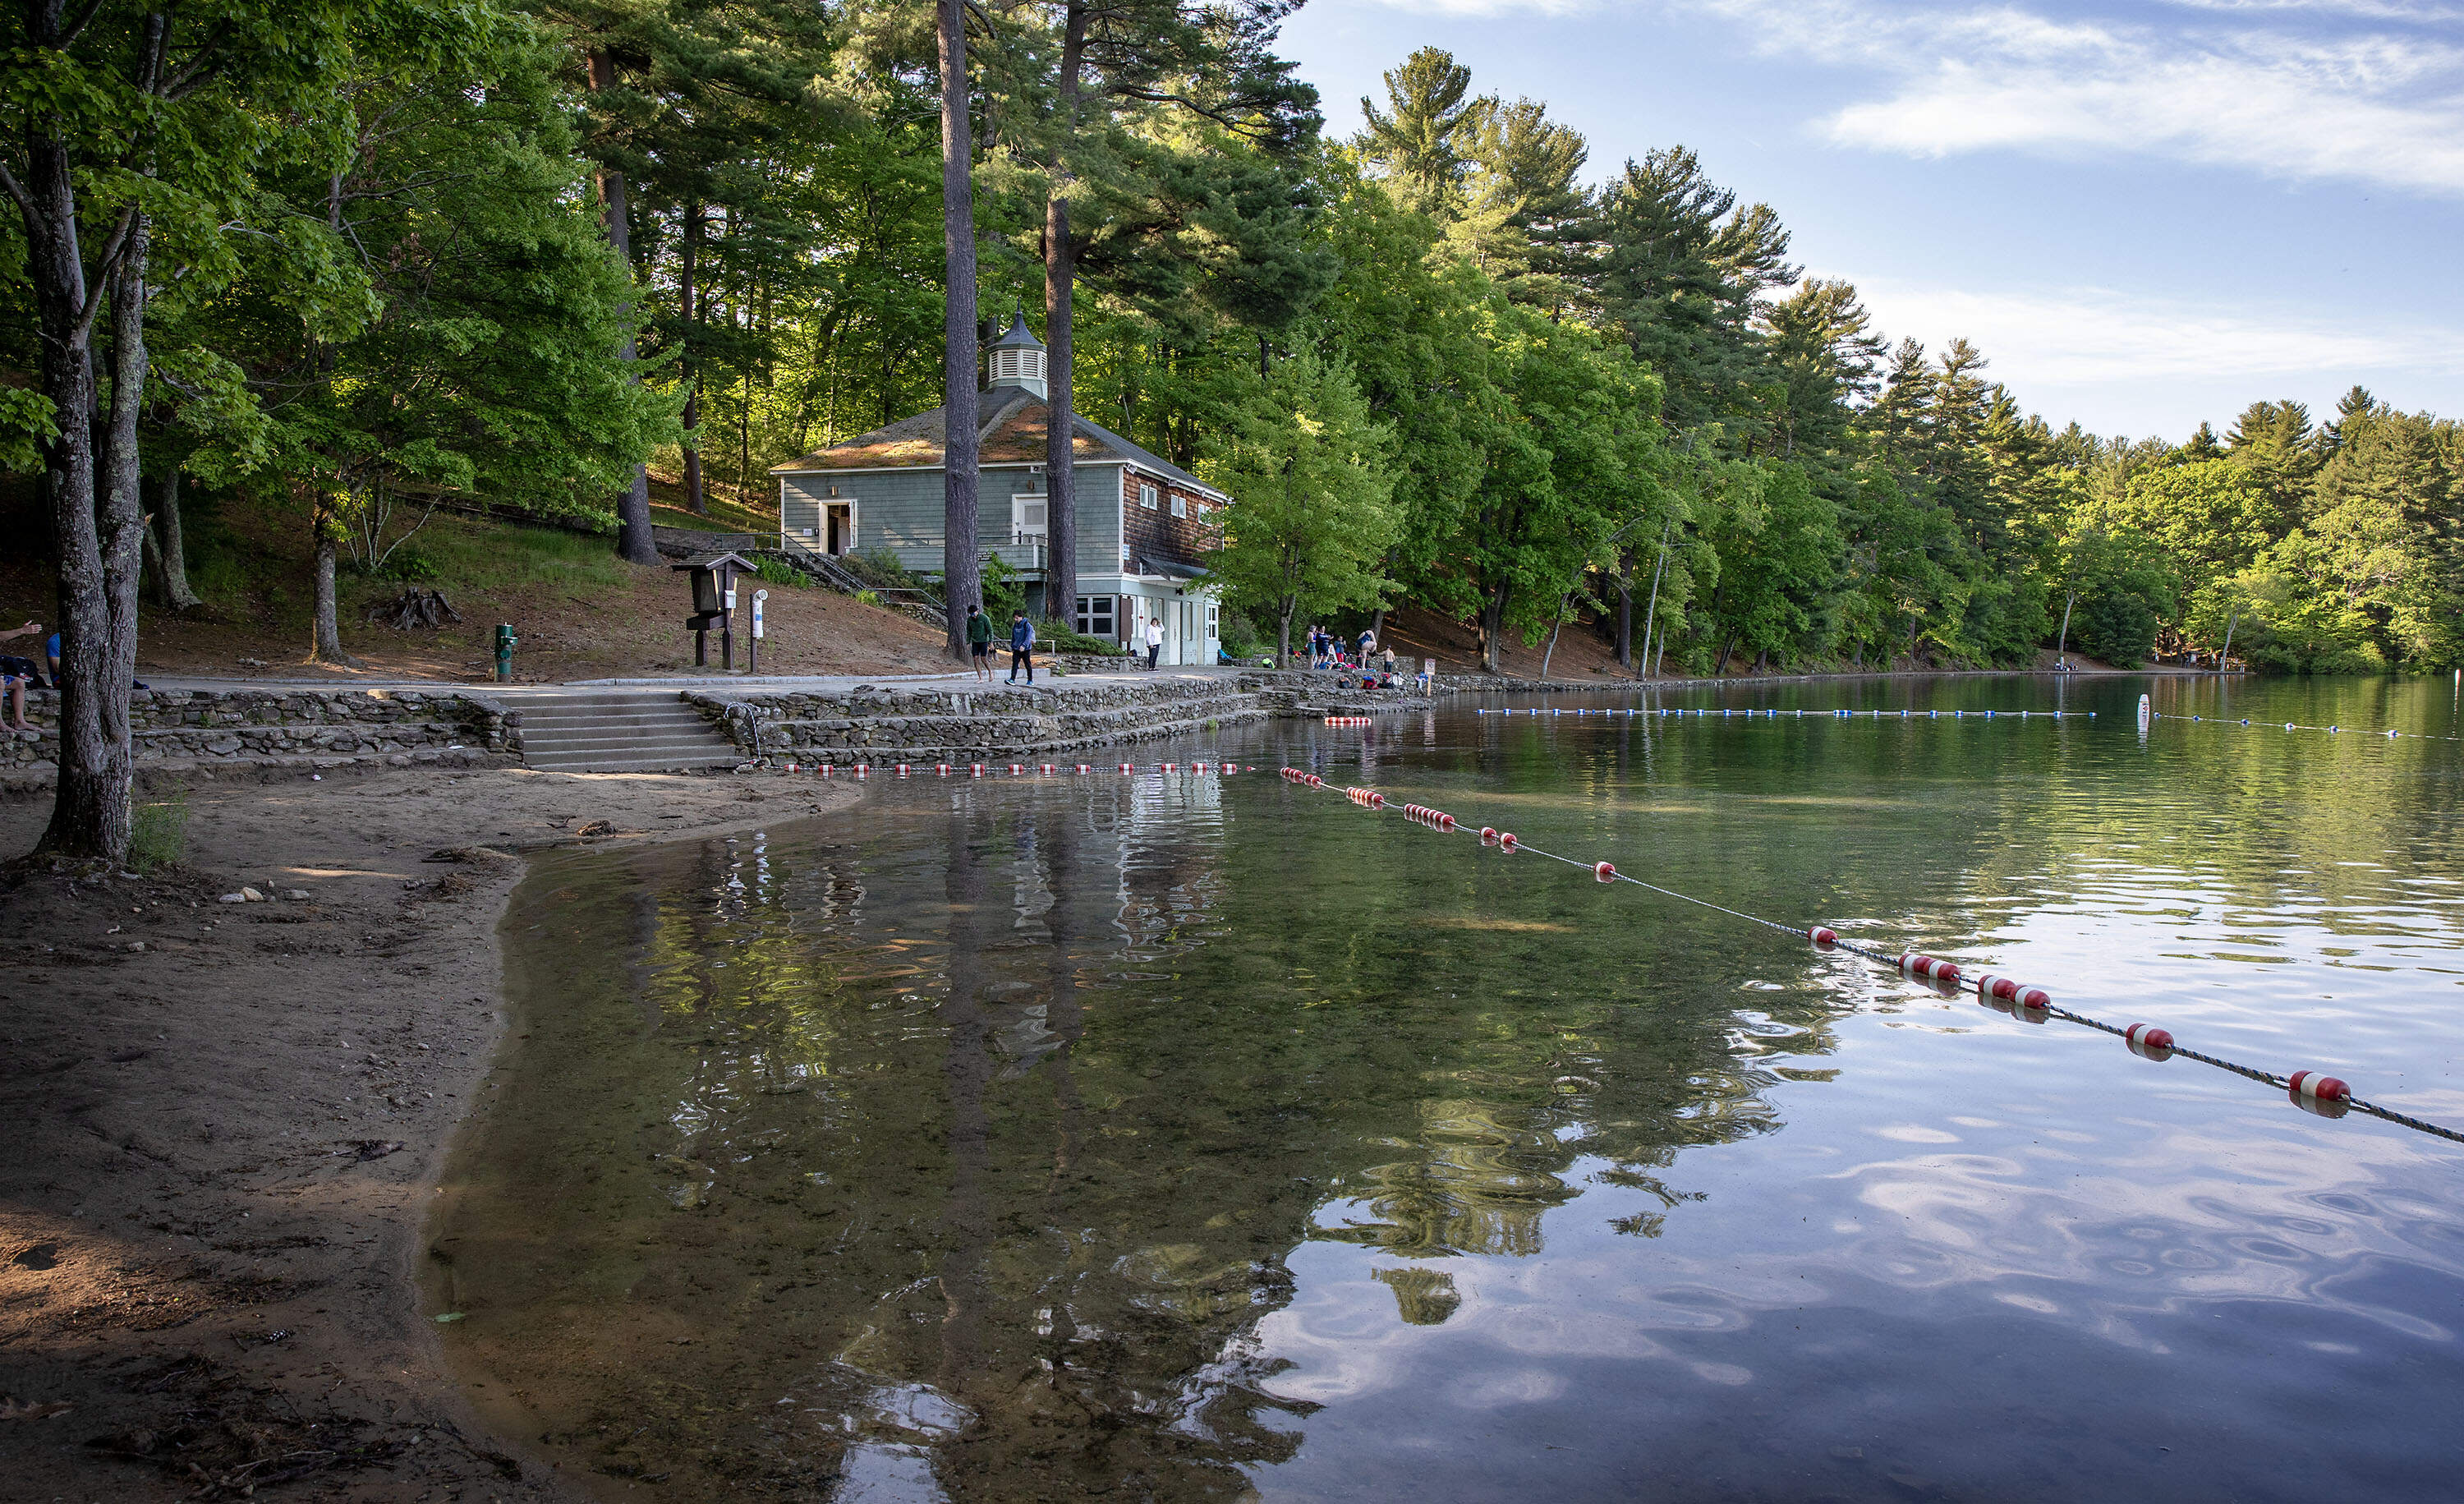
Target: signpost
x,y
753,650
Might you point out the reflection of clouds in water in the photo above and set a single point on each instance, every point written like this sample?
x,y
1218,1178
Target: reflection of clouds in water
x,y
874,1473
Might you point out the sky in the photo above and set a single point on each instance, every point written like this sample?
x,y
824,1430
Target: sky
x,y
2145,214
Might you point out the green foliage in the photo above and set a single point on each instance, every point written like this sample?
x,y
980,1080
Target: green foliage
x,y
779,572
1059,638
1004,592
1312,508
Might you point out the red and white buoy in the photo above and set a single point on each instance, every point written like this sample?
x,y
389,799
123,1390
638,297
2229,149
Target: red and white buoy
x,y
864,771
824,769
2148,1042
1823,937
1506,841
1168,767
975,769
1082,767
1125,767
942,768
1604,872
2318,1088
1047,767
904,770
1016,769
1489,835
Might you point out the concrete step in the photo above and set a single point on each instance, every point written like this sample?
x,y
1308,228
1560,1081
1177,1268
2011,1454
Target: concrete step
x,y
654,764
617,732
689,720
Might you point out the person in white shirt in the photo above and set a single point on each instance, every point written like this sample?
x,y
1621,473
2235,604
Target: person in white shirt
x,y
1155,640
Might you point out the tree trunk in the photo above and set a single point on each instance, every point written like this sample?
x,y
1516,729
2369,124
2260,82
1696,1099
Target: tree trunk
x,y
1060,452
327,647
695,501
1060,339
1625,611
1492,621
1284,634
169,551
634,540
91,806
1650,665
961,574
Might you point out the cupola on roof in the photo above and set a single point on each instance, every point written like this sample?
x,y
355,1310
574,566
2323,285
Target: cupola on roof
x,y
1018,358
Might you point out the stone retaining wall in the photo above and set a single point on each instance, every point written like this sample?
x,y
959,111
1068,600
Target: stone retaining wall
x,y
913,725
402,727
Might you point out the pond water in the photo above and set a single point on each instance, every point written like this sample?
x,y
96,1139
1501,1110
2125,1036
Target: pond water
x,y
1186,1138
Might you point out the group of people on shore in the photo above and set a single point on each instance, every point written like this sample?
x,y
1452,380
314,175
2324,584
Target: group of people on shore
x,y
1375,666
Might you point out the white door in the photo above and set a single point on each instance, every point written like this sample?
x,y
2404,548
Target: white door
x,y
1029,521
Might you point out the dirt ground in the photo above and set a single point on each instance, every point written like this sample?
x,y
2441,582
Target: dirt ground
x,y
633,628
225,1121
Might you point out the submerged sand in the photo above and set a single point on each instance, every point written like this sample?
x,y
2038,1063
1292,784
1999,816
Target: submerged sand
x,y
226,1122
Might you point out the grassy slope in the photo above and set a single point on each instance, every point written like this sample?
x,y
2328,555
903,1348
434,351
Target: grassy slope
x,y
579,612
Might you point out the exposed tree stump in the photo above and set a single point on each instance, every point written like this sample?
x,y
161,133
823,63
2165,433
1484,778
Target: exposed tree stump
x,y
414,608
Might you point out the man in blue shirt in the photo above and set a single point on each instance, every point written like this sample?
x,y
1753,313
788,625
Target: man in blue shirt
x,y
1022,647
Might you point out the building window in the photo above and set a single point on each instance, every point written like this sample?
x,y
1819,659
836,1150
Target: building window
x,y
1214,621
1147,496
1095,615
1179,505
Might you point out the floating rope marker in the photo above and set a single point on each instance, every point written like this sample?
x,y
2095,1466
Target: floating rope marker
x,y
2312,1091
942,768
904,770
2148,1042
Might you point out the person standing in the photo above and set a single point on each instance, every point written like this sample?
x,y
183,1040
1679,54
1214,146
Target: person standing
x,y
980,642
1368,643
1154,641
1022,647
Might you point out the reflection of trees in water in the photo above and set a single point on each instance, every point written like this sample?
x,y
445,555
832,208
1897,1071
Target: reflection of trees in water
x,y
996,1146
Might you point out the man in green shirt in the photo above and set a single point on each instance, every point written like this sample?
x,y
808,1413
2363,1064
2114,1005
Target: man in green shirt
x,y
980,642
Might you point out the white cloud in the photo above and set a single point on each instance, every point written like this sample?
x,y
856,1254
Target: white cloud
x,y
1490,7
2089,336
2381,108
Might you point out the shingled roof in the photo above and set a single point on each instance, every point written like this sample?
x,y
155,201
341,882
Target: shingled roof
x,y
1011,430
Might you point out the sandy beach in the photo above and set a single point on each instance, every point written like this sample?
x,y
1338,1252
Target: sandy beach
x,y
226,1120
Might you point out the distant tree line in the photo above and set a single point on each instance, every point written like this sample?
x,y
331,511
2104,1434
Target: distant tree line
x,y
333,259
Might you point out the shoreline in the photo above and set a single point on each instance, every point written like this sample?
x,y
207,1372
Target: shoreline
x,y
236,1117
200,1257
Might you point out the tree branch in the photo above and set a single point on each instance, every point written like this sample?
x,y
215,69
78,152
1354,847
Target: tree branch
x,y
106,267
182,83
76,28
17,192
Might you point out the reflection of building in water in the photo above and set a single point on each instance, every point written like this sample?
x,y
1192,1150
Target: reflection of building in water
x,y
971,1158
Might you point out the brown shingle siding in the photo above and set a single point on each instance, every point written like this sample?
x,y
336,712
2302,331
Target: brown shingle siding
x,y
1159,535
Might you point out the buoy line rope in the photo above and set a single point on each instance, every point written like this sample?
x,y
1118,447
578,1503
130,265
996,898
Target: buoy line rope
x,y
1749,714
2309,1090
2389,733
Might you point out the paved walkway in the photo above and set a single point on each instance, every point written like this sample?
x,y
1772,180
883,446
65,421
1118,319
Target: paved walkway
x,y
811,683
